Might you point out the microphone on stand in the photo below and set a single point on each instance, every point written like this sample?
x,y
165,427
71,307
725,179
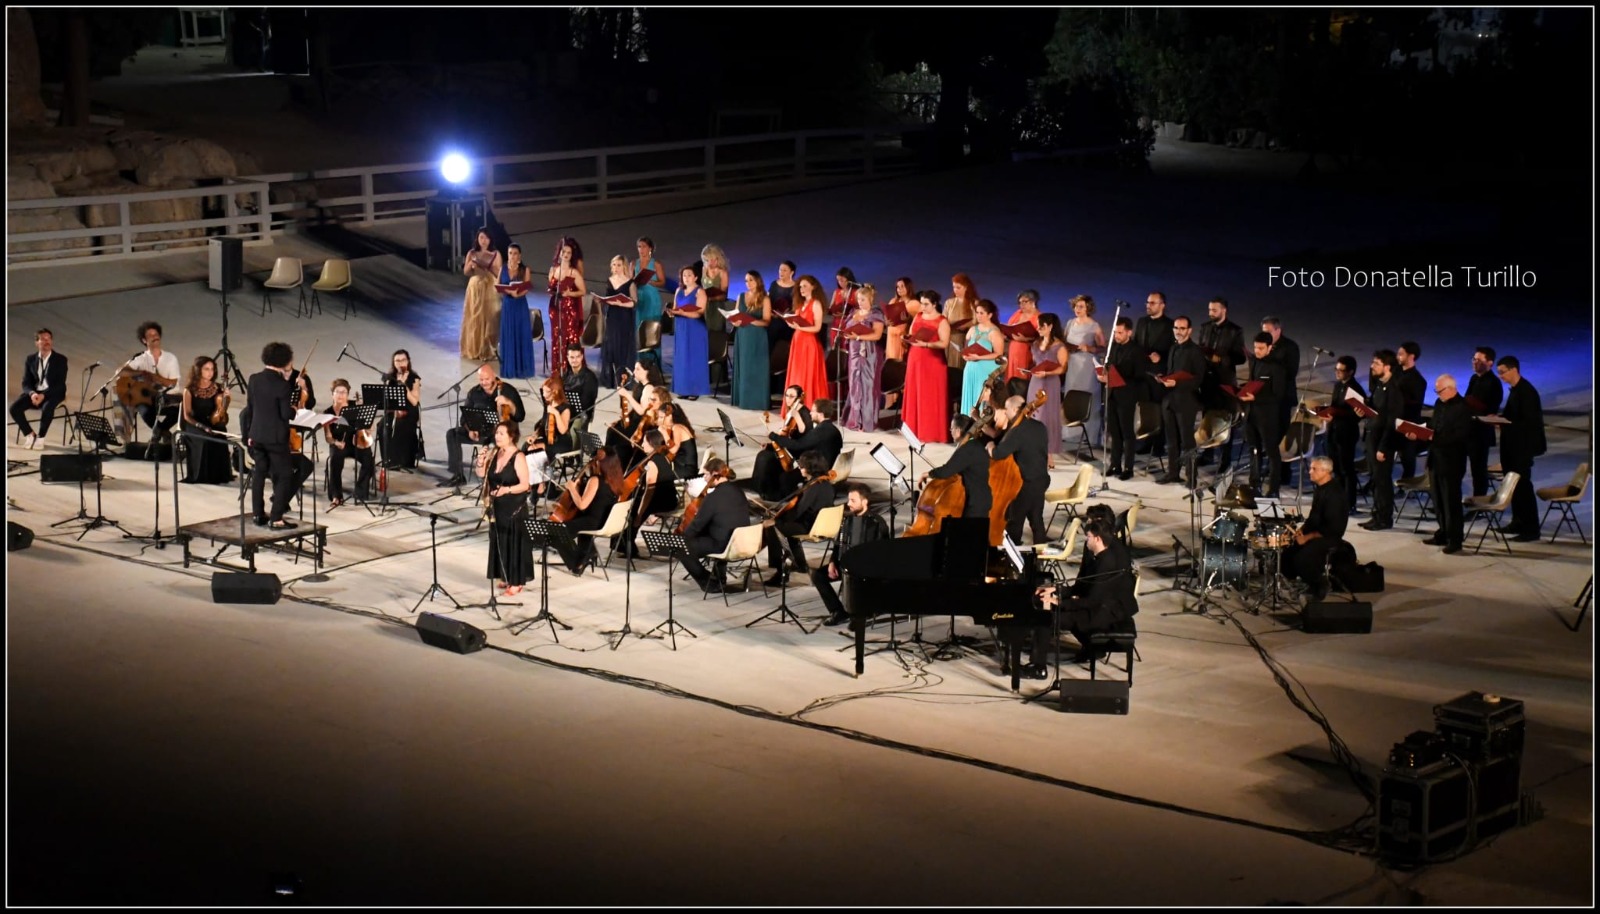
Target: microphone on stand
x,y
1323,351
341,352
93,367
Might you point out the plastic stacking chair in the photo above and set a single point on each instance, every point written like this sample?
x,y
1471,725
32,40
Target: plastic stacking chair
x,y
843,464
824,529
335,278
1067,500
1127,521
718,355
1053,556
744,546
1492,508
1419,489
1076,406
1147,425
1564,498
287,273
893,381
616,525
650,335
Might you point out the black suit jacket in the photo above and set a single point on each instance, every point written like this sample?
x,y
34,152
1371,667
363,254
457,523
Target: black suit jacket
x,y
585,383
1186,357
1523,439
971,462
267,412
1154,334
1452,424
1105,593
55,374
723,511
1390,402
797,520
824,438
1029,443
1415,388
478,398
1486,389
1329,514
1227,340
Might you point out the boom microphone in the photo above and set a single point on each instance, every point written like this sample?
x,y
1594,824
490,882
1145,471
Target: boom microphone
x,y
94,366
341,352
1323,351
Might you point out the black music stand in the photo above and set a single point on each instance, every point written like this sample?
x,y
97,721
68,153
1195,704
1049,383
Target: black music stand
x,y
575,403
386,396
433,549
783,612
672,546
156,538
480,419
730,436
94,428
360,417
544,534
896,470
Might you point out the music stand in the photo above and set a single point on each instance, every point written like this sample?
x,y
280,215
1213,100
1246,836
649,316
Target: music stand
x,y
309,424
386,396
94,428
495,561
360,416
627,603
480,419
575,403
543,533
891,465
672,546
433,549
156,537
730,436
783,612
915,444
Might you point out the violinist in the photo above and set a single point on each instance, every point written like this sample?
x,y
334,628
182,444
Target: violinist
x,y
402,428
797,515
1026,441
860,526
822,436
654,492
723,509
346,443
594,495
580,378
971,463
553,435
205,411
265,423
301,396
645,376
490,393
679,435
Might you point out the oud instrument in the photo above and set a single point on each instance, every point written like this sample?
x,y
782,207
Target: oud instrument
x,y
137,388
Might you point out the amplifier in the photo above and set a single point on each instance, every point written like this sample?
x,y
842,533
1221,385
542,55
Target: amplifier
x,y
1336,617
450,634
1420,750
69,467
1433,813
1481,726
1094,696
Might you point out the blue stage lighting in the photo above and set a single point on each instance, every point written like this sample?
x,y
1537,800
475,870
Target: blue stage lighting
x,y
455,168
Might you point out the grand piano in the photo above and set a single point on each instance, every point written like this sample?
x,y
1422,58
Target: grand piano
x,y
952,572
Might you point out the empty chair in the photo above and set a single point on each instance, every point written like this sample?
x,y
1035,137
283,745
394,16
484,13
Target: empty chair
x,y
1415,488
616,525
893,381
1127,521
743,546
1067,500
594,329
824,529
1564,498
1147,426
287,273
650,335
335,278
843,464
1053,556
717,356
1492,509
536,319
1075,408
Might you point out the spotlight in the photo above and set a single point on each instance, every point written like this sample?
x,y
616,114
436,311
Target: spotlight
x,y
455,168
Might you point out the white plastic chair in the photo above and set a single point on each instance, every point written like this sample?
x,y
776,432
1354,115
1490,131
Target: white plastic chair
x,y
287,273
335,278
743,546
616,525
843,464
1564,497
1492,509
1068,499
824,529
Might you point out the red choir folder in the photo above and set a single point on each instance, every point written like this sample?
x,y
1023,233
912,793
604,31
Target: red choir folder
x,y
615,299
1249,387
976,351
1422,432
691,313
1493,420
1324,412
1177,377
1022,333
644,276
797,322
856,331
739,318
895,312
1046,365
1477,406
512,288
960,326
1360,405
926,334
1116,376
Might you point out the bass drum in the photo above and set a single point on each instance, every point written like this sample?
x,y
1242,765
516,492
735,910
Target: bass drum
x,y
1229,529
1223,564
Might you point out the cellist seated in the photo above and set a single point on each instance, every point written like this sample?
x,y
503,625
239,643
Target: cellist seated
x,y
593,494
971,463
722,510
796,517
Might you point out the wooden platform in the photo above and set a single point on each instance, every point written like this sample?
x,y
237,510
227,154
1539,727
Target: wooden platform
x,y
225,530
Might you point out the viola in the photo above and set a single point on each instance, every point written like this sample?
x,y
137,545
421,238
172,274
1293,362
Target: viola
x,y
297,400
791,427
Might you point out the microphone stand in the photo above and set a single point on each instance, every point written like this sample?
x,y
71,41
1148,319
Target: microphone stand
x,y
156,538
1105,405
99,519
227,365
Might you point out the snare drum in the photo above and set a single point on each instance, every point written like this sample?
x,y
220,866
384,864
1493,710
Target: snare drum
x,y
1228,529
1271,537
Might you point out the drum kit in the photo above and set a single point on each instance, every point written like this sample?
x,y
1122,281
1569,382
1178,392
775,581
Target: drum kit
x,y
1243,530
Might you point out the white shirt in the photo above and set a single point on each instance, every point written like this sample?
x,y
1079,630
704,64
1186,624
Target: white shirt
x,y
44,376
167,368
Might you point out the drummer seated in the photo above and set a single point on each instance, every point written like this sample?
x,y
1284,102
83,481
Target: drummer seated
x,y
1322,532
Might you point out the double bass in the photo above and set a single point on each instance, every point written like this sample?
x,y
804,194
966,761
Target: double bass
x,y
1005,479
942,498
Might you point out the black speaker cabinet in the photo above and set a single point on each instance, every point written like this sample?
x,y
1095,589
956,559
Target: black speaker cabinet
x,y
1094,696
227,264
17,536
1337,617
1424,815
69,467
450,634
452,224
245,587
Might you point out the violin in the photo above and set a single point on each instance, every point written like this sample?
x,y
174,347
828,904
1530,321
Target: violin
x,y
506,409
791,427
646,423
219,416
795,499
297,400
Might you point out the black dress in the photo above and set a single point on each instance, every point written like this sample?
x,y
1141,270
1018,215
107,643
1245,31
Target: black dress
x,y
399,436
590,518
208,460
620,347
510,550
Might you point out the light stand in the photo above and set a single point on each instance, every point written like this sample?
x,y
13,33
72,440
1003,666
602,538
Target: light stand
x,y
541,533
672,546
433,549
227,365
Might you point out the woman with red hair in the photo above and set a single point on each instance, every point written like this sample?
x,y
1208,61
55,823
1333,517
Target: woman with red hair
x,y
566,294
807,370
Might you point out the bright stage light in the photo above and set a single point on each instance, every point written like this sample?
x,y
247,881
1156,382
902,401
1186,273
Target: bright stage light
x,y
455,168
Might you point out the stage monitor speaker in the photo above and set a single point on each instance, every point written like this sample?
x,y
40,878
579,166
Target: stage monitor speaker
x,y
17,536
227,264
245,587
69,467
1094,696
1337,617
450,634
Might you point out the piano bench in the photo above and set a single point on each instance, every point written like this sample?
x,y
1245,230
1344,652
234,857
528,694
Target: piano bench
x,y
1115,642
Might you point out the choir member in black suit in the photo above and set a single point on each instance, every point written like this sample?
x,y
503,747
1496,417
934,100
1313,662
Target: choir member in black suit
x,y
1180,405
1484,394
1520,442
822,437
1382,440
1344,428
1122,402
1286,351
1222,342
1153,336
44,386
1415,388
1262,417
1447,461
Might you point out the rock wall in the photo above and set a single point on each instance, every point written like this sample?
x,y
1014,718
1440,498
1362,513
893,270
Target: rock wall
x,y
24,107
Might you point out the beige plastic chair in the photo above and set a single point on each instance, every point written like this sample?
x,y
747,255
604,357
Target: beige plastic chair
x,y
335,278
824,529
650,335
1564,497
616,525
1492,509
1131,522
1052,556
843,464
1067,500
287,273
743,546
536,321
1417,488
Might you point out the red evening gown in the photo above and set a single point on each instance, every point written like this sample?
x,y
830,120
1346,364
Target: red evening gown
x,y
927,398
806,367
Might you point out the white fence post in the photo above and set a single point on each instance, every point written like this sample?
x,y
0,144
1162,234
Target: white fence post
x,y
369,213
126,216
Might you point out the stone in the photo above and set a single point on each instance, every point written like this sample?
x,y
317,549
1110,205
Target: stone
x,y
23,183
48,220
181,159
24,106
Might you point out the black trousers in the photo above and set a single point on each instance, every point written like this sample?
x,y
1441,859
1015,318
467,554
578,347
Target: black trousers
x,y
1478,447
1382,473
275,461
775,550
1177,421
1446,477
47,411
161,420
1342,438
1309,561
1119,412
364,469
1408,455
454,439
825,589
699,547
1524,508
1262,433
1028,507
772,481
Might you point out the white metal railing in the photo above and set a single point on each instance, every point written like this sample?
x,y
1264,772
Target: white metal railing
x,y
373,194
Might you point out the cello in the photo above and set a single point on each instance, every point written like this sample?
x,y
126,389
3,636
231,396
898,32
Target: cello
x,y
942,498
1005,479
722,475
611,475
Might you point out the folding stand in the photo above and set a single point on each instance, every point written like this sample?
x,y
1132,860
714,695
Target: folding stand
x,y
892,465
433,549
316,576
670,545
360,418
783,612
730,436
93,428
575,403
542,532
627,596
227,366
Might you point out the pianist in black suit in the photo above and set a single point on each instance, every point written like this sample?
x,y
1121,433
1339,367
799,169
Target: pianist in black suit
x,y
1027,442
1098,601
723,509
797,515
860,526
971,463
